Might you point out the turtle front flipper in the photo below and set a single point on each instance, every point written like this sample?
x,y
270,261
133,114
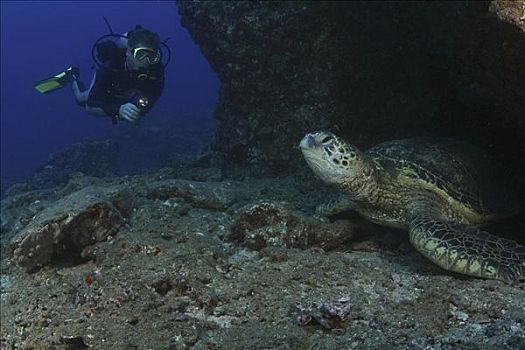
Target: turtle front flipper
x,y
338,203
468,250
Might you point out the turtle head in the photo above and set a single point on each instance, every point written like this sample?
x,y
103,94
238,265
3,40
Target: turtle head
x,y
331,158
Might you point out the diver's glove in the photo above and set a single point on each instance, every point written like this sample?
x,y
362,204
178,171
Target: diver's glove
x,y
129,112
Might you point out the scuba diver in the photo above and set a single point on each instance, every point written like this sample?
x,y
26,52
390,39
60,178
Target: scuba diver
x,y
129,78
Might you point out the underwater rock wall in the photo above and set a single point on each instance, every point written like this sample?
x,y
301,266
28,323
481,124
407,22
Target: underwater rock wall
x,y
370,71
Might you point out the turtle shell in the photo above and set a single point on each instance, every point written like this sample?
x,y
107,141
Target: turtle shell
x,y
461,171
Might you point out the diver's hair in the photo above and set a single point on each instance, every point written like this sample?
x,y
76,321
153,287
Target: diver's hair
x,y
143,37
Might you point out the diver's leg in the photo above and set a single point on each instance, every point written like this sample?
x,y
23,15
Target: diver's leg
x,y
80,91
82,95
96,111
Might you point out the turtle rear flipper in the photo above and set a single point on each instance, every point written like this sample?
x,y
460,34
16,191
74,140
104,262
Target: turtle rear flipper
x,y
468,250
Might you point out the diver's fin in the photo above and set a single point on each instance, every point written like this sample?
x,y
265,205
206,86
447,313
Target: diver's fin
x,y
57,81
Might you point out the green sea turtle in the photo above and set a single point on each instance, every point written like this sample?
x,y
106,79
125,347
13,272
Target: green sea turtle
x,y
440,190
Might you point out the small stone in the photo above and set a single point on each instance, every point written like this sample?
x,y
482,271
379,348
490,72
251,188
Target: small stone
x,y
461,316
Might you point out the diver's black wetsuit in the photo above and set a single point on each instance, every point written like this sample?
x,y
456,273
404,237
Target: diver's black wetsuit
x,y
115,86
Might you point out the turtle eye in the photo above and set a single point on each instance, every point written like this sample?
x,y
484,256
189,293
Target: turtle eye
x,y
326,139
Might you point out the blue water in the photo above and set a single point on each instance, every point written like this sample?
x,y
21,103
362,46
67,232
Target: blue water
x,y
41,38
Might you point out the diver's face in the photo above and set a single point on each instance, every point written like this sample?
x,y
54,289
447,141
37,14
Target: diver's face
x,y
134,63
142,57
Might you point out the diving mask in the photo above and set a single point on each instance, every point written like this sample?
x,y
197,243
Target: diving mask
x,y
144,53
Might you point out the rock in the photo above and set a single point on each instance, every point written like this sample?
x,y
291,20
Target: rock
x,y
78,181
358,68
161,291
124,199
190,172
330,315
212,195
267,223
19,188
18,209
512,12
89,157
65,228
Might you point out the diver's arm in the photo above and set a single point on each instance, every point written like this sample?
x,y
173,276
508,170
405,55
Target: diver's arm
x,y
127,111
